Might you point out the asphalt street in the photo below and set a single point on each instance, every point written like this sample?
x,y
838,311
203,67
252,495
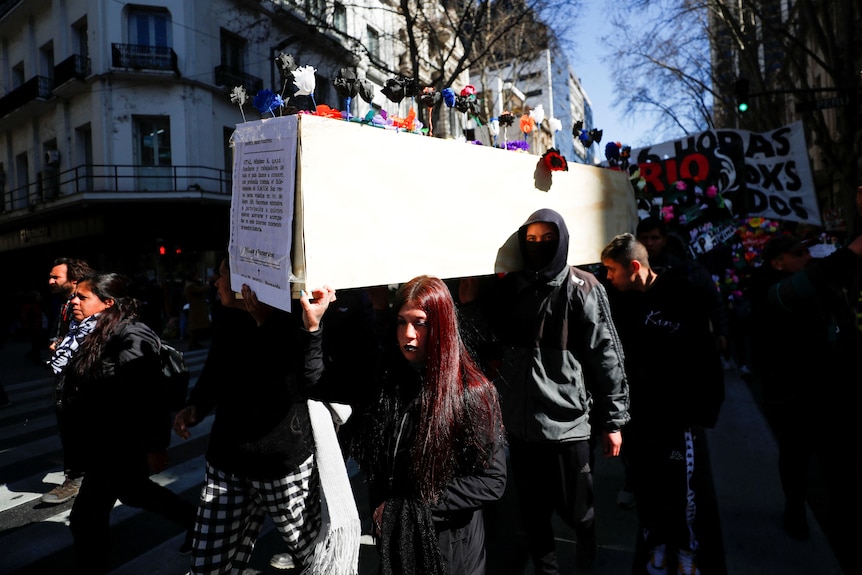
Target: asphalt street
x,y
739,500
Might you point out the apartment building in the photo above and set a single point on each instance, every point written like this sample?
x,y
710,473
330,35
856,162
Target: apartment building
x,y
116,118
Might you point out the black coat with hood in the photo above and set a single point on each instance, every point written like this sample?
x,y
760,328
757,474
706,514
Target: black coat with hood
x,y
561,361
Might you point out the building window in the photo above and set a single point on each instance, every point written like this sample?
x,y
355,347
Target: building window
x,y
339,18
149,27
46,60
315,10
373,43
153,141
79,32
17,75
232,50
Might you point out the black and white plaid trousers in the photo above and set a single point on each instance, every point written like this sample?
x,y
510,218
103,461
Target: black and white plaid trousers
x,y
231,513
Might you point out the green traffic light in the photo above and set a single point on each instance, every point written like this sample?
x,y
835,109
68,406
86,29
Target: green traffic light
x,y
743,106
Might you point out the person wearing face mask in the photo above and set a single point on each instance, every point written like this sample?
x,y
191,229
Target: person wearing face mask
x,y
432,444
562,381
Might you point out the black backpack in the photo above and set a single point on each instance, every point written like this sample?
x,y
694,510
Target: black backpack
x,y
176,377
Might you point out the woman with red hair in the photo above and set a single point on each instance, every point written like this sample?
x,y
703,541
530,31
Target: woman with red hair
x,y
432,445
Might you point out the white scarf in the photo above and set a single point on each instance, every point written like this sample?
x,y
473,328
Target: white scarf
x,y
336,551
70,344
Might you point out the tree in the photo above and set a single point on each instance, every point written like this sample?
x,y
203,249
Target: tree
x,y
679,60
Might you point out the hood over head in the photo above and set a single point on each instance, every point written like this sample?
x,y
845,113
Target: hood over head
x,y
544,262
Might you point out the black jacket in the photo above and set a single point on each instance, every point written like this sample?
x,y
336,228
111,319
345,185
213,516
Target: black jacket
x,y
121,390
672,362
257,379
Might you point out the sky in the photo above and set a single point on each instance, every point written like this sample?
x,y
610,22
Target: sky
x,y
597,82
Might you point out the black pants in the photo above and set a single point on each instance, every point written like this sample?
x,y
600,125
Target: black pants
x,y
127,479
553,477
72,450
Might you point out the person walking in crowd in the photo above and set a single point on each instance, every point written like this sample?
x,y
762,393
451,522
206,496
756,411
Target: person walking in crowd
x,y
62,280
809,336
262,456
432,445
107,364
665,251
562,382
677,387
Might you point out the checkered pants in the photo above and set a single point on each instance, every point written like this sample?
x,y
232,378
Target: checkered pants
x,y
231,514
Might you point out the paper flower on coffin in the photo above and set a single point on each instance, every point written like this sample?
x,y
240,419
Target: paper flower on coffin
x,y
239,96
612,152
538,114
267,101
467,104
346,83
304,80
576,128
366,90
527,123
395,88
589,137
429,99
506,119
554,161
555,124
347,86
449,97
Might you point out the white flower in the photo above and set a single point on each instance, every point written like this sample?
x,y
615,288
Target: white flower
x,y
555,124
538,114
303,79
494,126
238,96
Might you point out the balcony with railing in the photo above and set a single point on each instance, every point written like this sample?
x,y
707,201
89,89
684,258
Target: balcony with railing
x,y
230,78
74,67
36,88
143,57
115,183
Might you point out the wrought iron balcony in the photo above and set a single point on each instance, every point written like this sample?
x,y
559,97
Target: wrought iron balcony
x,y
142,57
74,67
230,78
116,183
36,88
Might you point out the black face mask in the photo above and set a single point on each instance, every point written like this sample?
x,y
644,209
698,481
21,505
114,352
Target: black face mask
x,y
538,255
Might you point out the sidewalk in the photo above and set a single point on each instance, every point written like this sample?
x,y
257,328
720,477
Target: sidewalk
x,y
744,461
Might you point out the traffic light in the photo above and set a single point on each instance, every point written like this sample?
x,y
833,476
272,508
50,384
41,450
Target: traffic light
x,y
740,89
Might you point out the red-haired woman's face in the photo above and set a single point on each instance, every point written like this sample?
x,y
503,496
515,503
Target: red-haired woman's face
x,y
412,331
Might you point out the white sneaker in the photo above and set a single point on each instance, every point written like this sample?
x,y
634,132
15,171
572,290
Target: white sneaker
x,y
625,499
282,561
657,562
686,564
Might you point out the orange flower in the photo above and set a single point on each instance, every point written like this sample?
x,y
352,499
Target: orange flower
x,y
527,123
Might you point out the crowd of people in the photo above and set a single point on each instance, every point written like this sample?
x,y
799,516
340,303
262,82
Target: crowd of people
x,y
444,393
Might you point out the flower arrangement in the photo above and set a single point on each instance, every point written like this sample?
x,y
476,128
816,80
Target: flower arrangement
x,y
298,84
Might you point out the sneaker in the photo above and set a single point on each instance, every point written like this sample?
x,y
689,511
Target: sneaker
x,y
686,564
625,499
63,493
657,563
282,561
